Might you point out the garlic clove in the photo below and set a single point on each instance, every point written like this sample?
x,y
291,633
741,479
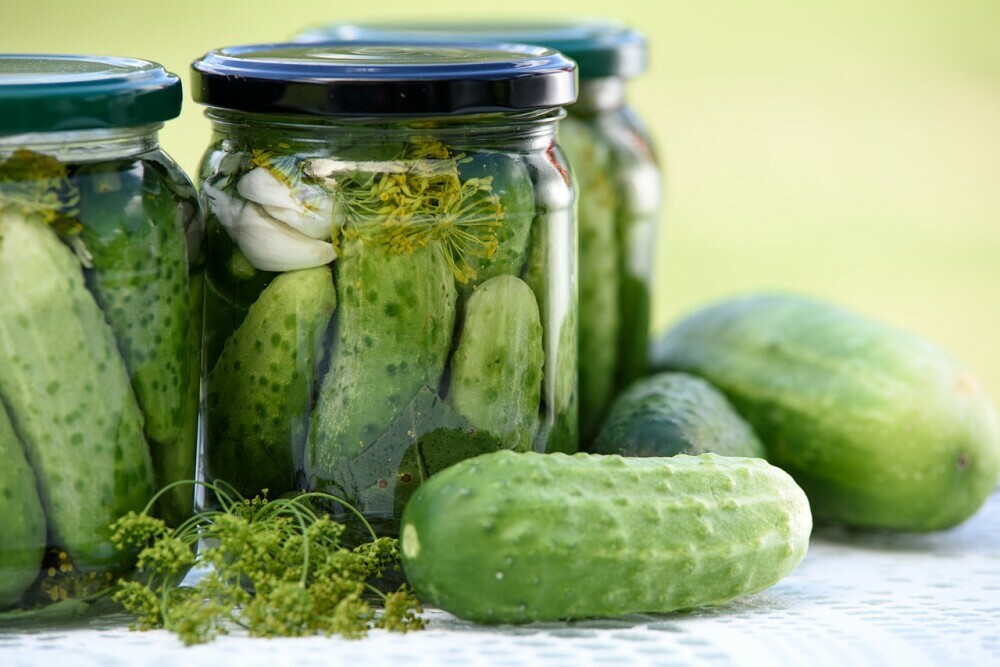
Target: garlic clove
x,y
225,208
262,187
314,224
271,245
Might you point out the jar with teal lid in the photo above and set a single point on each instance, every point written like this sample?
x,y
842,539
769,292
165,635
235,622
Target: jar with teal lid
x,y
618,178
391,264
100,310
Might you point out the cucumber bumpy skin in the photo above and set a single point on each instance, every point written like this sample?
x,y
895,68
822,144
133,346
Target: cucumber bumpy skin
x,y
518,537
22,532
675,413
496,371
140,280
881,428
260,389
396,316
68,395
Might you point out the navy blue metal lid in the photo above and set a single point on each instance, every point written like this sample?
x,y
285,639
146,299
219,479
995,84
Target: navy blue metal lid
x,y
600,48
384,77
42,93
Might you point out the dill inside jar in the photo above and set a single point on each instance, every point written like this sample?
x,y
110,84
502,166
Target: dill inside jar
x,y
618,179
391,264
100,305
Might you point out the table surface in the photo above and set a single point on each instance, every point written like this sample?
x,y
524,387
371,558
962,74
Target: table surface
x,y
856,599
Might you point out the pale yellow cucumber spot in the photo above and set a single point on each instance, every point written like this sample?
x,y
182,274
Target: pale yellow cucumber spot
x,y
410,541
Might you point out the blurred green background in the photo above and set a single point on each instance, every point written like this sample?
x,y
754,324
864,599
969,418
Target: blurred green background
x,y
845,148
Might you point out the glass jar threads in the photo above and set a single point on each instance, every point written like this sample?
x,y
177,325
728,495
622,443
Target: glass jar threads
x,y
391,264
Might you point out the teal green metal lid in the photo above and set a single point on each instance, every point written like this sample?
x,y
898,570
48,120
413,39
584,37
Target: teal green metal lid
x,y
600,48
47,93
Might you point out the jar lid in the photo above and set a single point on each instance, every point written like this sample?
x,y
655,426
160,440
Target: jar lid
x,y
600,48
45,93
384,77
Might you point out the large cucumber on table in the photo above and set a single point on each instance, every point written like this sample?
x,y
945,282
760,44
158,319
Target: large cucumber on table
x,y
133,228
395,321
516,537
674,413
260,389
68,394
880,427
22,532
496,371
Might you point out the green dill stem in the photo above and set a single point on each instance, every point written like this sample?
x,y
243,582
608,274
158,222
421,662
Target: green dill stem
x,y
329,496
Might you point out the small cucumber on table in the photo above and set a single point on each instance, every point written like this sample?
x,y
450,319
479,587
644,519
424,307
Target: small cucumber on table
x,y
513,537
881,428
496,371
68,395
260,389
675,413
22,532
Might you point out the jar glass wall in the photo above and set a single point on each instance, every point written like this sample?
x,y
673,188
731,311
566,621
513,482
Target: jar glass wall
x,y
100,293
387,295
620,188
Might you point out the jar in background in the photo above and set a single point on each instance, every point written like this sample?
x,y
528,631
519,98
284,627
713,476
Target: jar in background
x,y
100,308
618,179
391,264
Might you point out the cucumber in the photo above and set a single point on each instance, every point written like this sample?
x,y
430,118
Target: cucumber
x,y
675,413
599,275
22,532
140,280
396,316
496,371
880,427
177,461
260,389
517,537
510,183
68,395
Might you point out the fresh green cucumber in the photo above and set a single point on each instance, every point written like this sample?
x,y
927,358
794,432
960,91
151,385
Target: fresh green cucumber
x,y
396,316
496,371
140,280
675,413
22,532
599,274
68,395
517,537
260,389
880,427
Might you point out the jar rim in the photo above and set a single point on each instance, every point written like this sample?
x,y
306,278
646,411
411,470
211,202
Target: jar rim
x,y
384,78
601,47
59,92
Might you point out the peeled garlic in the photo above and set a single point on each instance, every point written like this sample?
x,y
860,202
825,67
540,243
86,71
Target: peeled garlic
x,y
262,187
271,245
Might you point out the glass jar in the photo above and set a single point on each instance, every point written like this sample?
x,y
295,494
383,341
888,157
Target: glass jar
x,y
100,308
391,264
618,179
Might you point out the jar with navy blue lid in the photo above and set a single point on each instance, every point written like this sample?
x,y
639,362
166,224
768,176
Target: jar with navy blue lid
x,y
618,179
100,309
391,264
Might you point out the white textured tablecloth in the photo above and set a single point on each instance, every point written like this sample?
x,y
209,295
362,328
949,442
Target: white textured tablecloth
x,y
856,599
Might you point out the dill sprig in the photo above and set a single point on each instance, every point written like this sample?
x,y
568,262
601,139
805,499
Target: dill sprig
x,y
419,199
277,568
